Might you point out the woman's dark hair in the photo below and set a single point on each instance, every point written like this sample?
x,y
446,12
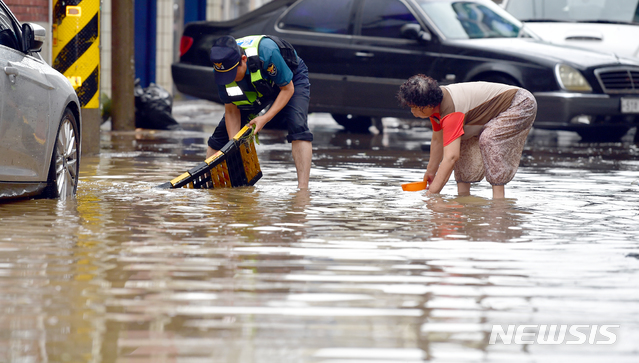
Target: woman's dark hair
x,y
420,91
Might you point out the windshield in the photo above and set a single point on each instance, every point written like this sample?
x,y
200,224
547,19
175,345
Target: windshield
x,y
625,11
471,19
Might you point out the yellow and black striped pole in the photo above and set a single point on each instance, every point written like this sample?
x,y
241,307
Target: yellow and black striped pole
x,y
76,51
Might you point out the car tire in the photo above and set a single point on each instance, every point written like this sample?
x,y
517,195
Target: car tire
x,y
354,124
65,159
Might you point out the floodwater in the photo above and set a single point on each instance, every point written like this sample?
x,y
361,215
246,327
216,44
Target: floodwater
x,y
354,270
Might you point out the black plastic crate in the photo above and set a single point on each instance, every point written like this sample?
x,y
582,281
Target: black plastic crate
x,y
235,165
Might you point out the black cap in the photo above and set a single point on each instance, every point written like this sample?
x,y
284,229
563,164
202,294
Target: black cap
x,y
225,56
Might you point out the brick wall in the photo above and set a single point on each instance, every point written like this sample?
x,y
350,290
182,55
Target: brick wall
x,y
29,10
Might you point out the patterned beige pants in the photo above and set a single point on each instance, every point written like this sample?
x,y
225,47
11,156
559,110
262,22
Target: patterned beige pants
x,y
496,151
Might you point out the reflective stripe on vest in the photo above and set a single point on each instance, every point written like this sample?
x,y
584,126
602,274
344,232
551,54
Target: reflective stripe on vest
x,y
236,95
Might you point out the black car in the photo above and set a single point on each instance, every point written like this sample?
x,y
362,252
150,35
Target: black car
x,y
359,51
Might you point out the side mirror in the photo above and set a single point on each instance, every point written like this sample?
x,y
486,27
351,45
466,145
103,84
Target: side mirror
x,y
33,36
415,32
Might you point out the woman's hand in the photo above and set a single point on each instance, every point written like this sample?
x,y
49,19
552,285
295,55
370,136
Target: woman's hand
x,y
428,178
451,155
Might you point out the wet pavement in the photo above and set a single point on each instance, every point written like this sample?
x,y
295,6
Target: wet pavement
x,y
354,270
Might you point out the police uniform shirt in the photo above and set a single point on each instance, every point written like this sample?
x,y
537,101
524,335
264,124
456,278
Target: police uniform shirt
x,y
274,69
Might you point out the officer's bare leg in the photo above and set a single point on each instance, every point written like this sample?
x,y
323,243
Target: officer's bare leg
x,y
302,155
498,192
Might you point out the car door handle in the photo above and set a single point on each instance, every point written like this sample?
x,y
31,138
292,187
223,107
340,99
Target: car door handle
x,y
364,54
25,72
13,71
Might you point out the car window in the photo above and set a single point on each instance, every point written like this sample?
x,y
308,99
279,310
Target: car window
x,y
321,16
7,36
384,18
464,19
575,10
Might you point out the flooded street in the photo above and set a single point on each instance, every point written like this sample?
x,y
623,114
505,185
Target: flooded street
x,y
354,270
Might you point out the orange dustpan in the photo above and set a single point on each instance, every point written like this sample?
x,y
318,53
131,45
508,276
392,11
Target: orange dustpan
x,y
414,186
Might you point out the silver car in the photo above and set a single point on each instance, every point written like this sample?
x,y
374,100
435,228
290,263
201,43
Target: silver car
x,y
610,26
40,124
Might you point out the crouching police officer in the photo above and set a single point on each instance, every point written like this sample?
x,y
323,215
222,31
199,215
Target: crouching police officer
x,y
253,73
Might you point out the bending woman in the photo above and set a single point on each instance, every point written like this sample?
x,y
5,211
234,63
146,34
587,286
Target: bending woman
x,y
479,129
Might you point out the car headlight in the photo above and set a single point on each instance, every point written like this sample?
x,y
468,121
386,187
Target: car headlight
x,y
571,79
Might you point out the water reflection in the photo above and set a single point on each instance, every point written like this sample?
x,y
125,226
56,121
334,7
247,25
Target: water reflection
x,y
475,218
352,270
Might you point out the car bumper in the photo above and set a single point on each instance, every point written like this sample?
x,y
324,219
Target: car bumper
x,y
563,110
11,190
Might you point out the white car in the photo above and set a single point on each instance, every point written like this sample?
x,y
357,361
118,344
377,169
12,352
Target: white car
x,y
40,124
610,26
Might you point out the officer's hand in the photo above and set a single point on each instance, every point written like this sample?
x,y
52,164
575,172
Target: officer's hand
x,y
259,122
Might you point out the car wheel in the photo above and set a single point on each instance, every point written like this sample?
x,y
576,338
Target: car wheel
x,y
65,160
352,123
603,133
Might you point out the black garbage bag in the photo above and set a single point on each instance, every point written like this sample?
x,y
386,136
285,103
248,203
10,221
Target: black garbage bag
x,y
153,106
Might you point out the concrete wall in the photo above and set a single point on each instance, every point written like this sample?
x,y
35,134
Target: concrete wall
x,y
105,47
